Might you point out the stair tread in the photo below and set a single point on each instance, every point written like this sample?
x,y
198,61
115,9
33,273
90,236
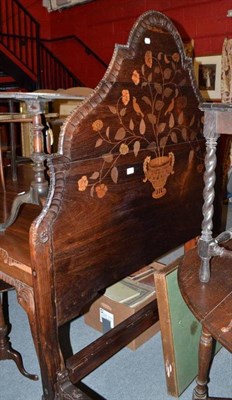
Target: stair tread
x,y
6,79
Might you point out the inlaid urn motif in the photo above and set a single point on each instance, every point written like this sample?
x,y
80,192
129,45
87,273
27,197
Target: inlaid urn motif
x,y
157,171
152,114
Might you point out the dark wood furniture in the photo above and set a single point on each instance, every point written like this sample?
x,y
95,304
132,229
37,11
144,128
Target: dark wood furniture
x,y
125,188
35,107
211,304
6,350
205,277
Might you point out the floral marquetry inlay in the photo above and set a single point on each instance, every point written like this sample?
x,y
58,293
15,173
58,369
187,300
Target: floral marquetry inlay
x,y
151,113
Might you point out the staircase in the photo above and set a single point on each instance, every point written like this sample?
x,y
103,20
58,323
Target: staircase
x,y
7,83
25,62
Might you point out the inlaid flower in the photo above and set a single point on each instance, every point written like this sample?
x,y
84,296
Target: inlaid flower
x,y
148,58
82,183
97,125
123,149
151,113
125,97
135,77
101,190
176,57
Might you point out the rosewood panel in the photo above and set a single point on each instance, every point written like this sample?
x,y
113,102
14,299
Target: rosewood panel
x,y
126,186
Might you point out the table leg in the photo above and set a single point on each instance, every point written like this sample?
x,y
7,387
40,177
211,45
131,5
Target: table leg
x,y
6,351
13,144
1,165
204,358
39,186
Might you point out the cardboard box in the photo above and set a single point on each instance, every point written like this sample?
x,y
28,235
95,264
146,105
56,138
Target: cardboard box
x,y
124,299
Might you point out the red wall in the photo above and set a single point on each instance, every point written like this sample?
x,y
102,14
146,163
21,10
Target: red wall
x,y
102,23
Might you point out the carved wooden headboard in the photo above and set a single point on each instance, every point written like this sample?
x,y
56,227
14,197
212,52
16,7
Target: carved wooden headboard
x,y
126,184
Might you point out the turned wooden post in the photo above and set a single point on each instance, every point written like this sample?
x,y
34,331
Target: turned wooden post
x,y
205,355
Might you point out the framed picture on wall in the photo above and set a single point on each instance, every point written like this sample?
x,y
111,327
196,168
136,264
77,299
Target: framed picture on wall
x,y
208,75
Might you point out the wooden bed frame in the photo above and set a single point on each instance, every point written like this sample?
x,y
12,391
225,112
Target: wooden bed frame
x,y
125,188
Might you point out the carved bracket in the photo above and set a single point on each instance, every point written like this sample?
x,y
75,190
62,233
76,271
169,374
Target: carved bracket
x,y
25,293
65,390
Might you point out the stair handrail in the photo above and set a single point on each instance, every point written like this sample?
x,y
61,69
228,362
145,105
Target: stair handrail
x,y
83,44
27,48
20,36
25,11
60,65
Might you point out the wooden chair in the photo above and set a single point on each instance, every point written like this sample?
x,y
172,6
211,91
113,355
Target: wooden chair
x,y
125,188
205,277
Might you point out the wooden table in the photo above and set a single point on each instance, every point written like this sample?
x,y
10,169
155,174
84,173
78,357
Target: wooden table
x,y
35,104
205,276
19,234
210,302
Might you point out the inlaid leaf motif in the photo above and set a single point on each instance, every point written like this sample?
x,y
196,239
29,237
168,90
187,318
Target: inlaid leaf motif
x,y
174,137
184,134
163,141
192,120
120,134
108,132
136,147
99,142
193,135
182,101
146,100
113,109
166,59
152,146
142,127
123,112
159,105
152,118
131,124
171,121
161,127
95,175
183,82
167,73
108,157
181,118
114,174
149,77
158,81
168,91
170,107
92,191
158,87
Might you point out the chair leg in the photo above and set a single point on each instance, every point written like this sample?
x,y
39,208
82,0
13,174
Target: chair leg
x,y
1,167
6,351
200,392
